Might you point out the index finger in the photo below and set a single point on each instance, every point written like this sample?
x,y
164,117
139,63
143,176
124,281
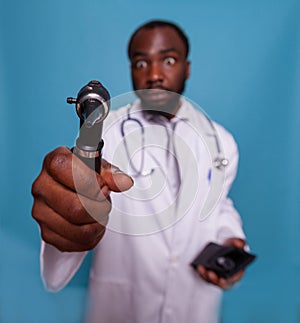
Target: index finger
x,y
67,169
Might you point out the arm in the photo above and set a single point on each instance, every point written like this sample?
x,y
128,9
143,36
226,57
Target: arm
x,y
71,206
228,221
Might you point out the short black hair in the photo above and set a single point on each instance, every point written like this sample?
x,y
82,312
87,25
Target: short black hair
x,y
161,23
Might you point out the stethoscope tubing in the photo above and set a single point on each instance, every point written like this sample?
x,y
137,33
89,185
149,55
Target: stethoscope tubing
x,y
218,162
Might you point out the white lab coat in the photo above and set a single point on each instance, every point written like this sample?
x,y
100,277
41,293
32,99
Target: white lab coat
x,y
141,269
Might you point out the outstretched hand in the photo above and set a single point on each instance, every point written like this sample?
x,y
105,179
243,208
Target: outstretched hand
x,y
72,202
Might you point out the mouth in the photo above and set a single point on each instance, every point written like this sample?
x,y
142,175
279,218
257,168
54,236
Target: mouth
x,y
158,99
156,94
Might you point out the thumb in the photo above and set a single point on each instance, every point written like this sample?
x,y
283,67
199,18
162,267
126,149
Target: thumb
x,y
236,242
115,179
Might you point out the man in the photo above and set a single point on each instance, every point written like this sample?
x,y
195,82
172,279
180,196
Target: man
x,y
145,235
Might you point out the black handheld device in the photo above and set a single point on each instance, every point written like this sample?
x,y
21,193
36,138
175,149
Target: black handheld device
x,y
92,107
225,261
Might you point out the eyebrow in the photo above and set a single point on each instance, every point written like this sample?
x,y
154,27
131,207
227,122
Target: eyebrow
x,y
173,49
163,51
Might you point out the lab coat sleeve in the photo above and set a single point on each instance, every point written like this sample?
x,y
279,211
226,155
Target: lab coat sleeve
x,y
229,223
58,268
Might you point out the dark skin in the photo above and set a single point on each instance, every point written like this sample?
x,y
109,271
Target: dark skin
x,y
159,69
58,205
159,65
223,283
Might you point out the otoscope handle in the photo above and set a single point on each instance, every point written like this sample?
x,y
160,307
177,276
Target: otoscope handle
x,y
91,158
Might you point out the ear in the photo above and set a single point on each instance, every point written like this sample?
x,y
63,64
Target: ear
x,y
187,69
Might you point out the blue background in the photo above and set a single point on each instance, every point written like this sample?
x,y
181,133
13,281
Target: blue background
x,y
245,74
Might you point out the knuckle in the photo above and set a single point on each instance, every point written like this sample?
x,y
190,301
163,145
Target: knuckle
x,y
37,187
101,214
95,241
83,211
94,244
86,233
77,209
58,160
46,236
35,212
80,212
90,232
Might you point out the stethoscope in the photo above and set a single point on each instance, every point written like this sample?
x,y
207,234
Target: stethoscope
x,y
216,173
137,171
219,161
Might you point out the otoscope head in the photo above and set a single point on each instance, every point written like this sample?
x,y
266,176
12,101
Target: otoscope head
x,y
92,107
92,100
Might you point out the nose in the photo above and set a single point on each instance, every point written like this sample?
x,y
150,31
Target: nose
x,y
155,73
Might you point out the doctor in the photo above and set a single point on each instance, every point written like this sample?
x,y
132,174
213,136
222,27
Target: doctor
x,y
144,235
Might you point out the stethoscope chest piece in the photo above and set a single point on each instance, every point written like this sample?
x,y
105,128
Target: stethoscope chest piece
x,y
220,162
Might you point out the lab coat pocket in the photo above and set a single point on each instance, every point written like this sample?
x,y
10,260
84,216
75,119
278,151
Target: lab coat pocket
x,y
109,302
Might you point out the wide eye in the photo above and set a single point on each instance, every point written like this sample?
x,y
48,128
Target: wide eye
x,y
170,61
140,64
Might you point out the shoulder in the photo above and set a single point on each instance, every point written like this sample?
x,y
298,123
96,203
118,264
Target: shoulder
x,y
224,137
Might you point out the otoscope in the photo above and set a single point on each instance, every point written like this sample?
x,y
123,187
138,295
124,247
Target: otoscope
x,y
92,107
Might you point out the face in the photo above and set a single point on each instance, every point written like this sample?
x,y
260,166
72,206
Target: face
x,y
159,68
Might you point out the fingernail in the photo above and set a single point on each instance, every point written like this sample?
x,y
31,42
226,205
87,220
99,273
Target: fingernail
x,y
117,170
